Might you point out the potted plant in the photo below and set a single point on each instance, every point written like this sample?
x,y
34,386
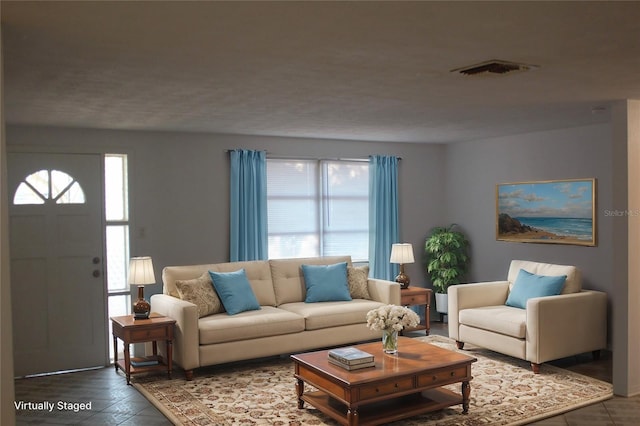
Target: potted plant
x,y
446,260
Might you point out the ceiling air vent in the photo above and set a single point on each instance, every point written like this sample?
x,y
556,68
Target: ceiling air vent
x,y
494,66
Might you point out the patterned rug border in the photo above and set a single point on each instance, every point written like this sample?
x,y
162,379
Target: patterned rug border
x,y
156,403
194,412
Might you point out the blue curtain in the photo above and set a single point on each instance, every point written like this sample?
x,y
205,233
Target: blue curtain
x,y
383,215
248,236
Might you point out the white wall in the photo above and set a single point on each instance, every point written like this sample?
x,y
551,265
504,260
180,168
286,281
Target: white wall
x,y
180,185
179,190
610,153
7,416
626,268
474,169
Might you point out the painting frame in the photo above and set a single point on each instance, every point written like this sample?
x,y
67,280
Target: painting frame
x,y
547,212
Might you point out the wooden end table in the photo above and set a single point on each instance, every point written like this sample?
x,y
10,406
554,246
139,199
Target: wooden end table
x,y
399,386
130,330
413,296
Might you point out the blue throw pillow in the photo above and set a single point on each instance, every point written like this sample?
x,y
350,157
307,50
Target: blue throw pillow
x,y
528,285
326,283
234,291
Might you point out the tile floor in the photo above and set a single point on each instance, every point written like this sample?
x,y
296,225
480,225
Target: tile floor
x,y
115,403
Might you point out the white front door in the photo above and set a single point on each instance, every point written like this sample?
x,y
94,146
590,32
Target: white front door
x,y
57,282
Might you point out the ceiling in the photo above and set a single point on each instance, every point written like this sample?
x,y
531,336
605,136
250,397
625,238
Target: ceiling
x,y
375,71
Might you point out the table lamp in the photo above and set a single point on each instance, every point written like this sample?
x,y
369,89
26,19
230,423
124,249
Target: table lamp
x,y
402,253
141,274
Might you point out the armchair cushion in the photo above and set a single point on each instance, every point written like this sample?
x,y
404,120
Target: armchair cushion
x,y
573,284
500,319
528,285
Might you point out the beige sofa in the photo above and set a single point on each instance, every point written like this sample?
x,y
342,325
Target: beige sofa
x,y
284,324
549,328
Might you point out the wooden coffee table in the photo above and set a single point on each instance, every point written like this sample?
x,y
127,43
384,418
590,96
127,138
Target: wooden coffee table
x,y
399,386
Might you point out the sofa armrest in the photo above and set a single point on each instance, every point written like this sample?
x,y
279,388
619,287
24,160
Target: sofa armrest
x,y
186,335
567,324
384,291
464,296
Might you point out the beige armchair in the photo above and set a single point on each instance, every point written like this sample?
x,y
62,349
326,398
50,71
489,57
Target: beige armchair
x,y
550,327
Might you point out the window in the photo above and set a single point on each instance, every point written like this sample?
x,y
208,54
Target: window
x,y
117,236
318,208
49,185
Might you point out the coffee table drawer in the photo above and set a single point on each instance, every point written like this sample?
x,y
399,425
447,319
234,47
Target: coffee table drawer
x,y
442,377
386,388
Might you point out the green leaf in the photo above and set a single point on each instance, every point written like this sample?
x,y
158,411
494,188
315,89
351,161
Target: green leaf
x,y
446,258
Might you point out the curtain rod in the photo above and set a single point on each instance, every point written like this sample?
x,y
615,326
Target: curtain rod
x,y
296,157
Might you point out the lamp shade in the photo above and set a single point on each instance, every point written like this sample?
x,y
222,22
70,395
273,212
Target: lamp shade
x,y
401,253
141,271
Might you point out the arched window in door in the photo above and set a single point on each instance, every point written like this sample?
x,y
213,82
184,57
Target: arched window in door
x,y
49,186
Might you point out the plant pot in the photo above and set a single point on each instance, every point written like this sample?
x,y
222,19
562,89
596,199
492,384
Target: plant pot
x,y
442,303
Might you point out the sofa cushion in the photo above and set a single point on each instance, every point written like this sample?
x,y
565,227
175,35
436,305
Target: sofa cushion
x,y
326,283
234,291
358,282
528,285
201,293
268,321
288,282
573,284
500,319
258,272
332,314
259,276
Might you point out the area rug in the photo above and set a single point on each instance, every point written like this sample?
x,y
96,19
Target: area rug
x,y
504,391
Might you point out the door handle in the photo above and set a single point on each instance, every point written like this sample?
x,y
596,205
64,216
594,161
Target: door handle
x,y
96,273
95,260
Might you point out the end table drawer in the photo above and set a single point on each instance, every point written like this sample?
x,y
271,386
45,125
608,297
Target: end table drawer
x,y
150,334
367,392
442,377
418,299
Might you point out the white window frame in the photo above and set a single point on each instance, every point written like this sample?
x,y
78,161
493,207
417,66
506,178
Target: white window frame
x,y
322,205
49,186
118,296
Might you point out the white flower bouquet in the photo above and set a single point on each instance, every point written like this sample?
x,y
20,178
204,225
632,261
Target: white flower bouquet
x,y
392,317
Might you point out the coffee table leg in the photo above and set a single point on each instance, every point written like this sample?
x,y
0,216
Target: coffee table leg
x,y
352,416
466,396
300,391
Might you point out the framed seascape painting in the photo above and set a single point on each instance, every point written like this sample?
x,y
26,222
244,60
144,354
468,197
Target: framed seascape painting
x,y
555,212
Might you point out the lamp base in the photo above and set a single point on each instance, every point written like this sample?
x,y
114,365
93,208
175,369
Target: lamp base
x,y
403,280
141,308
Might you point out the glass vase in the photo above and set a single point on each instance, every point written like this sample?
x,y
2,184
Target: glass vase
x,y
390,341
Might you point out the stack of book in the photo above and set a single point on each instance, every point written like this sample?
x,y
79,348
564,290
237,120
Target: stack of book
x,y
351,358
144,361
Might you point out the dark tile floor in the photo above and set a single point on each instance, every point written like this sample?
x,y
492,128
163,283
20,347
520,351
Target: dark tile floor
x,y
115,403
